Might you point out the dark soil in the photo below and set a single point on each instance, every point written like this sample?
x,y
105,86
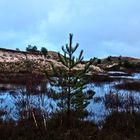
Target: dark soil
x,y
131,86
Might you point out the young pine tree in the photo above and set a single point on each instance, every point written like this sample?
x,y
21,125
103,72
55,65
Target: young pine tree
x,y
68,85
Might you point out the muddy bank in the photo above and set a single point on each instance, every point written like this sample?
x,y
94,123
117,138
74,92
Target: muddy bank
x,y
130,86
20,78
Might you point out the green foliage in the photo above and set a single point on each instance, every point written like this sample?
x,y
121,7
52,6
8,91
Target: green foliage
x,y
17,49
127,64
95,58
70,96
98,61
31,48
109,58
44,51
120,60
34,49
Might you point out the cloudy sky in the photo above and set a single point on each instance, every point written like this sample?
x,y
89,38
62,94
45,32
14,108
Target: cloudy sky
x,y
101,27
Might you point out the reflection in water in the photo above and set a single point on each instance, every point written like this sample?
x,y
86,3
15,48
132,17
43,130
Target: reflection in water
x,y
19,101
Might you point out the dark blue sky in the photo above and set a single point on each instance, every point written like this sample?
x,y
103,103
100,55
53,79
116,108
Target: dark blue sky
x,y
101,27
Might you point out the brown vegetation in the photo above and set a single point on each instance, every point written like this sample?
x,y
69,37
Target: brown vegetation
x,y
101,78
131,86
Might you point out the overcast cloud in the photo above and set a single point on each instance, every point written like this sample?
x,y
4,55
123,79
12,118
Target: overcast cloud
x,y
101,27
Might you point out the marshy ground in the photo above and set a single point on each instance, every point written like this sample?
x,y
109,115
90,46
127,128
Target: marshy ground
x,y
118,96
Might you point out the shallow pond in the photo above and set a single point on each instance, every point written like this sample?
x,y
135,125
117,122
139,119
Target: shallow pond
x,y
14,96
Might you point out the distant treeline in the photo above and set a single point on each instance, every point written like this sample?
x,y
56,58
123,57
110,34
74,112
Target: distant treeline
x,y
29,49
34,49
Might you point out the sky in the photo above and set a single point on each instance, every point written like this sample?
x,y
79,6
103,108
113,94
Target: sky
x,y
101,27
